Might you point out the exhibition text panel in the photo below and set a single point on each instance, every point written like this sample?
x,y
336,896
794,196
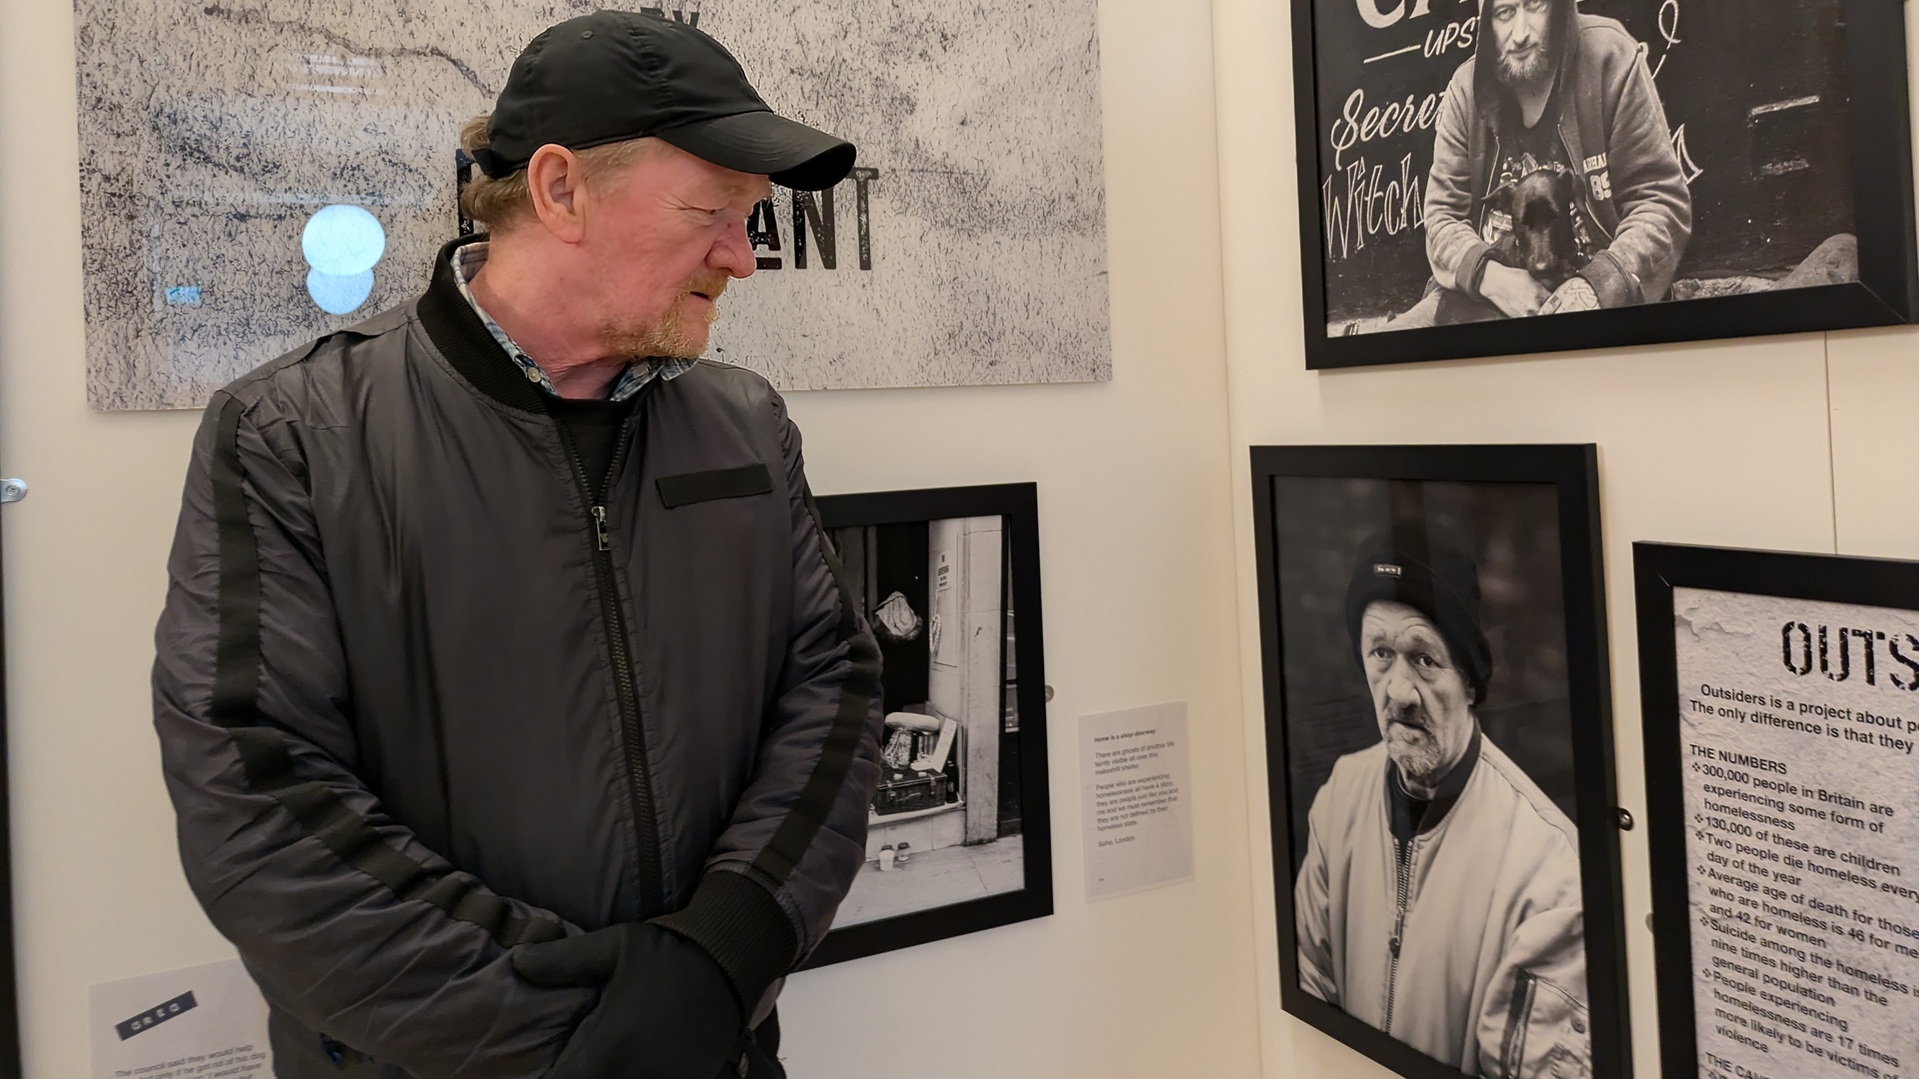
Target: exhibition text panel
x,y
1799,721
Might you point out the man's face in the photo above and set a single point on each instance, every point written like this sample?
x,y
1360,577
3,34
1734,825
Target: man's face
x,y
1422,701
666,235
1523,32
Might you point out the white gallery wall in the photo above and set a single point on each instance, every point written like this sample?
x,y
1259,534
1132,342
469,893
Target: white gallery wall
x,y
1135,525
1803,443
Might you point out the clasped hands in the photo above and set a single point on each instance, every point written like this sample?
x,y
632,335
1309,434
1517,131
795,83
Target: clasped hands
x,y
1517,294
666,1009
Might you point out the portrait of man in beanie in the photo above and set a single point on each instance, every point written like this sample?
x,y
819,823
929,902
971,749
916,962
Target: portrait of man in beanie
x,y
1436,892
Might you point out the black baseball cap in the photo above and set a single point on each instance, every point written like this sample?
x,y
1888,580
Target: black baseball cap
x,y
617,75
1433,576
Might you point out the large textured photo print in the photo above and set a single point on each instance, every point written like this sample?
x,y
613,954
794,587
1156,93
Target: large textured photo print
x,y
260,172
1445,843
1648,169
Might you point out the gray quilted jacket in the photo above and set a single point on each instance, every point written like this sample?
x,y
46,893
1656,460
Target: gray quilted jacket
x,y
420,699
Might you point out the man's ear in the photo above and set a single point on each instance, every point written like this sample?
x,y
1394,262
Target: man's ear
x,y
555,178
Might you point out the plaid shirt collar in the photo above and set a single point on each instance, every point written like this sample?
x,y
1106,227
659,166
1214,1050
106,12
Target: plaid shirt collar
x,y
467,260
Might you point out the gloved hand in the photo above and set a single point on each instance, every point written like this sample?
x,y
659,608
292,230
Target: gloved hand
x,y
760,1064
665,1010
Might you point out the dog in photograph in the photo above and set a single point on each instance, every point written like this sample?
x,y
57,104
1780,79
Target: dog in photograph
x,y
1540,204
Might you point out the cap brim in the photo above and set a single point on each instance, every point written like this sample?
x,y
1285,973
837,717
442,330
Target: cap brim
x,y
791,153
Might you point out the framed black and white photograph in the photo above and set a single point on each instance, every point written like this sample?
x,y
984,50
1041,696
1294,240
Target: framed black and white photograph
x,y
958,835
1780,702
1638,170
1439,756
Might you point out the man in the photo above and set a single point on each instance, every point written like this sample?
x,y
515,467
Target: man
x,y
516,718
1439,899
1549,90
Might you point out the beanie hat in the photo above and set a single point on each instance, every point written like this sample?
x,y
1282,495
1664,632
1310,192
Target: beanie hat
x,y
1433,577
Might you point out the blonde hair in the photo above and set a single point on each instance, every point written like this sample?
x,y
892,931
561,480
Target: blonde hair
x,y
504,201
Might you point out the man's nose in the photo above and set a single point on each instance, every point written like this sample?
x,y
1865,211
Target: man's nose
x,y
1400,692
731,253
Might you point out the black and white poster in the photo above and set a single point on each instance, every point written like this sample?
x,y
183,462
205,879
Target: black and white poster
x,y
944,827
1781,701
1433,656
255,174
1479,161
958,832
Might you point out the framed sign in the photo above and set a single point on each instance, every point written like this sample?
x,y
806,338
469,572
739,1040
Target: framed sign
x,y
959,836
1439,756
1778,694
1484,177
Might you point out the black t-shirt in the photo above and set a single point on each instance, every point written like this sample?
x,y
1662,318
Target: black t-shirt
x,y
594,427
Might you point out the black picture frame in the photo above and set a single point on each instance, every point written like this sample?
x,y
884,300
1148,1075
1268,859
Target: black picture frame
x,y
10,1060
1570,471
1016,504
1658,569
1878,152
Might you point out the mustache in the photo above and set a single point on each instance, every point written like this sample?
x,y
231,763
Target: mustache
x,y
712,286
1410,715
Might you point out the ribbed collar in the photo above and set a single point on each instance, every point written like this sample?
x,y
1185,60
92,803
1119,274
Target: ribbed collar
x,y
460,332
456,330
632,378
1412,816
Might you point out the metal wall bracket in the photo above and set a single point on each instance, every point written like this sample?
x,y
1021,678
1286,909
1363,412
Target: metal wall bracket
x,y
12,490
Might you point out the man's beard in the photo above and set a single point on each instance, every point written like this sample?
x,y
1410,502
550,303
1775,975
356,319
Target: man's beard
x,y
1417,751
1534,71
667,337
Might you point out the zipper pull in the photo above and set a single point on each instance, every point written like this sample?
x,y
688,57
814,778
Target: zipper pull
x,y
600,536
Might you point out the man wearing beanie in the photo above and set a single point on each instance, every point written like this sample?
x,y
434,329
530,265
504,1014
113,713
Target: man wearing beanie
x,y
518,722
1439,899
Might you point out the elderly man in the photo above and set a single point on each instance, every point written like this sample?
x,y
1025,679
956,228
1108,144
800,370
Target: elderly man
x,y
1439,899
517,721
1551,93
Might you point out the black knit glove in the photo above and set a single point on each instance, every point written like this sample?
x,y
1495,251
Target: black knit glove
x,y
666,1010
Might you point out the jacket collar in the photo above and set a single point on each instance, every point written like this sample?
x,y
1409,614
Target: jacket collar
x,y
1410,816
463,339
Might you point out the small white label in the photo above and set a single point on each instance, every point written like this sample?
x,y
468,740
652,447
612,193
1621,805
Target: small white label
x,y
1135,813
205,1022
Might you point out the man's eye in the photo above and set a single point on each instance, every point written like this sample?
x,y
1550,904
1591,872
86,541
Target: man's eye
x,y
1427,661
1381,652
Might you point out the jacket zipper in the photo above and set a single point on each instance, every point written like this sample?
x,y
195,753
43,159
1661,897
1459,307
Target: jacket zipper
x,y
1517,1022
639,781
1403,862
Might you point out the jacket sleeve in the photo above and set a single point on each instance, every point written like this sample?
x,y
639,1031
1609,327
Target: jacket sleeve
x,y
1533,1020
1455,251
1312,918
346,920
798,834
1646,184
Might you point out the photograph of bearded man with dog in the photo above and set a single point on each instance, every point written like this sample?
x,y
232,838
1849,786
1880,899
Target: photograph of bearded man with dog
x,y
1483,161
